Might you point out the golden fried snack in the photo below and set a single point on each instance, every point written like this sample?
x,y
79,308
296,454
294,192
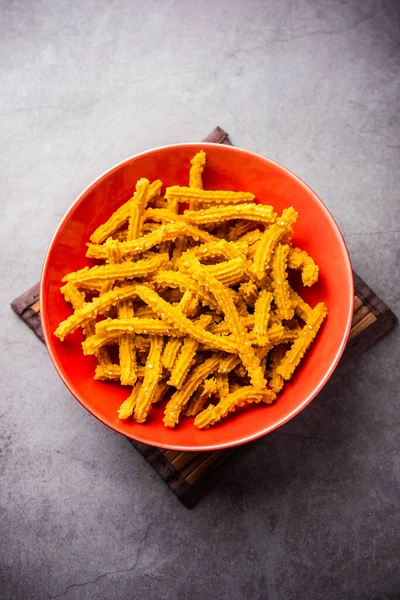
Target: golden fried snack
x,y
195,181
229,363
134,247
128,406
299,259
249,292
178,321
104,372
222,327
280,283
302,342
197,402
136,325
170,353
245,395
91,309
144,311
241,229
270,238
121,215
223,248
184,283
301,308
202,295
176,193
186,356
229,272
152,376
233,320
137,209
261,317
121,271
187,305
251,237
217,214
77,300
164,215
222,381
178,248
198,161
127,351
276,381
179,400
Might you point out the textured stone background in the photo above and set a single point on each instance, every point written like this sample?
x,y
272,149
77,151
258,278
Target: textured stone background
x,y
309,512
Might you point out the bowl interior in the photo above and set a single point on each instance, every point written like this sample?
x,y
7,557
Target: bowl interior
x,y
227,168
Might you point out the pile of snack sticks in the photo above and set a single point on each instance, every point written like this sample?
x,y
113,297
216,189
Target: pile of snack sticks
x,y
194,290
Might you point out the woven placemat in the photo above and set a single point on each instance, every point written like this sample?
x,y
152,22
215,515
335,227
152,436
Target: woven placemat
x,y
189,474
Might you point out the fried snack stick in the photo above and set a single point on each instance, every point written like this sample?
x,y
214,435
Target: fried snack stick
x,y
213,414
185,283
175,317
144,312
240,304
240,229
109,330
276,381
229,272
223,248
173,345
217,214
222,328
299,347
179,400
249,292
137,209
251,237
200,397
77,300
128,406
186,194
142,244
301,308
299,259
195,181
233,320
121,215
198,162
275,335
152,375
91,309
122,234
127,351
280,285
136,325
270,238
164,215
186,356
222,381
121,271
104,372
165,233
261,317
95,285
178,249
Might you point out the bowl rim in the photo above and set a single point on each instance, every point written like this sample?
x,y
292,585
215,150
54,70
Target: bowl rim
x,y
48,335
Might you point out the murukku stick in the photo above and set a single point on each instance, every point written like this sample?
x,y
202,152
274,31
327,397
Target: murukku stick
x,y
299,347
237,399
121,215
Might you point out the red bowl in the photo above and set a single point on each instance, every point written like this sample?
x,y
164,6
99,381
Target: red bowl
x,y
227,168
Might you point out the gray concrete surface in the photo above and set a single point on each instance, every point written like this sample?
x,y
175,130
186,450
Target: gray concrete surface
x,y
312,511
